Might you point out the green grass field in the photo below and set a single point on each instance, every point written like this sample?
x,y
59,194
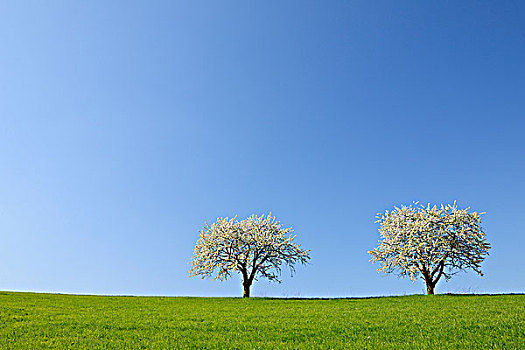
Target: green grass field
x,y
40,321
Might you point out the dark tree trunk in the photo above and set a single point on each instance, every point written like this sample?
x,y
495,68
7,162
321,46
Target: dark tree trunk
x,y
429,277
246,289
247,279
430,288
431,284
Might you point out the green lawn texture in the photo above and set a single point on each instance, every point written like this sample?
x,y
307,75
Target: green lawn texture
x,y
52,321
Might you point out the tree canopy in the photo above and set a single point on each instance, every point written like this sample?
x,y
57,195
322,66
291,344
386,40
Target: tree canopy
x,y
430,242
256,246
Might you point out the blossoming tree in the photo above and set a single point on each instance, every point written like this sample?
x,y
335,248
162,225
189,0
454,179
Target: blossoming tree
x,y
430,242
256,246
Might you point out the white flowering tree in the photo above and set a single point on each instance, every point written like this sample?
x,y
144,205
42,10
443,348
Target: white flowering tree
x,y
430,242
254,247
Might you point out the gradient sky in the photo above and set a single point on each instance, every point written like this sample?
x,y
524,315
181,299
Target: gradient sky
x,y
126,125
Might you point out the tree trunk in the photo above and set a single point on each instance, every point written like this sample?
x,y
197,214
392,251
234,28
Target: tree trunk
x,y
246,285
430,288
429,277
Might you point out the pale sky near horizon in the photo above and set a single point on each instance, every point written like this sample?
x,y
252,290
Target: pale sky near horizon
x,y
126,125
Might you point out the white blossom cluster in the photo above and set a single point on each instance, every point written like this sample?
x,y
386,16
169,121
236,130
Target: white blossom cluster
x,y
430,242
256,246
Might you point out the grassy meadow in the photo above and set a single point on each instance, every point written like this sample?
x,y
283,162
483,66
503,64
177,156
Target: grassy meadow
x,y
45,321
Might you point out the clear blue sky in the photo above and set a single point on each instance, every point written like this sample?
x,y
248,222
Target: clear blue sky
x,y
125,126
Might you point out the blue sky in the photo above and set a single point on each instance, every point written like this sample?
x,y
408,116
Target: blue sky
x,y
125,126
